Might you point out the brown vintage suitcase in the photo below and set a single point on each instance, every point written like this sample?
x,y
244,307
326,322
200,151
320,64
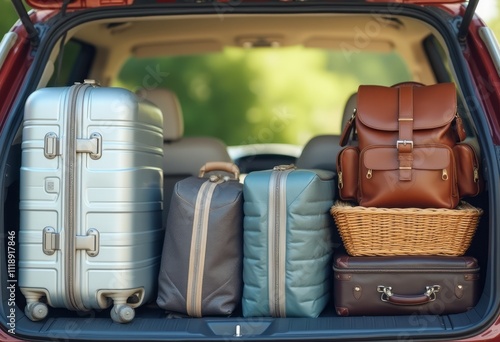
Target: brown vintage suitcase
x,y
399,285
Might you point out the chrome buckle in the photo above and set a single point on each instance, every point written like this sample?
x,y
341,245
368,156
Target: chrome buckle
x,y
404,143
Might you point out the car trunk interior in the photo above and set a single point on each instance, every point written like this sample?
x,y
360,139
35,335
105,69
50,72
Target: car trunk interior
x,y
403,30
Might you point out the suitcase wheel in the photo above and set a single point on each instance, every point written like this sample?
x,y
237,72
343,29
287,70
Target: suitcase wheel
x,y
122,313
36,311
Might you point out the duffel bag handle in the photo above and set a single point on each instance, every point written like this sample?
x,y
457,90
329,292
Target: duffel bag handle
x,y
428,296
220,166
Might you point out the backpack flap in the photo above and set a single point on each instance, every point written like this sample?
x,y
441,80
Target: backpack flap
x,y
434,111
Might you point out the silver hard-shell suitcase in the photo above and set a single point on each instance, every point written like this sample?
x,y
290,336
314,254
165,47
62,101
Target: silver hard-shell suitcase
x,y
90,201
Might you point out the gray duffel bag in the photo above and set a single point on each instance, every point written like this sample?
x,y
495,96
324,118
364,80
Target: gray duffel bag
x,y
201,267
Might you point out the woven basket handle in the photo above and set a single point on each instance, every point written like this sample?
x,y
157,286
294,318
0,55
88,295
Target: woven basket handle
x,y
419,299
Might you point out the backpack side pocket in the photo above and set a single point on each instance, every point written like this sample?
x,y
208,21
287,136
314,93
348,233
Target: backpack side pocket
x,y
348,173
470,182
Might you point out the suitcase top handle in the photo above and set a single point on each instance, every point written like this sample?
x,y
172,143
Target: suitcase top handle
x,y
220,166
428,296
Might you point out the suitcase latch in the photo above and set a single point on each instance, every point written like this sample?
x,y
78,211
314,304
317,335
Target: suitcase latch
x,y
89,242
93,146
51,145
50,240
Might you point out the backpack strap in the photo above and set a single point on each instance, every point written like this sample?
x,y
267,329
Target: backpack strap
x,y
349,127
405,142
459,129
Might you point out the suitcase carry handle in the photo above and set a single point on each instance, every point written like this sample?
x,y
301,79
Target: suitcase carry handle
x,y
220,166
428,296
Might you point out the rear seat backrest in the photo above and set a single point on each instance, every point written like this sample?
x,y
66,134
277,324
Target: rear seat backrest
x,y
183,156
321,151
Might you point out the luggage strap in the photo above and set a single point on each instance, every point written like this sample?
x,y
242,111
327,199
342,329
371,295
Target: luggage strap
x,y
277,240
197,253
404,144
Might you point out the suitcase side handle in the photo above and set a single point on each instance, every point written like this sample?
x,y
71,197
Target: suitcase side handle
x,y
419,299
220,166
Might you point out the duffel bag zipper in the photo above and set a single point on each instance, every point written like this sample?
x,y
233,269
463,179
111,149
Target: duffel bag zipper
x,y
199,246
277,240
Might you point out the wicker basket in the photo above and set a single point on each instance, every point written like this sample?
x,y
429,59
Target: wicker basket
x,y
371,231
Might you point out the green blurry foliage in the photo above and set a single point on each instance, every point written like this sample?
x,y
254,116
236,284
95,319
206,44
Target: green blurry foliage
x,y
8,16
264,95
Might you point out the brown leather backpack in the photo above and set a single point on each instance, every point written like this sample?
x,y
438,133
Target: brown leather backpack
x,y
408,141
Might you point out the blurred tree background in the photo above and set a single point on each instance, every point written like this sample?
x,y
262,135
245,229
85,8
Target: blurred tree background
x,y
8,15
264,95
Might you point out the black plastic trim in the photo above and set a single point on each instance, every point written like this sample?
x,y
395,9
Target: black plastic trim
x,y
33,34
469,14
430,45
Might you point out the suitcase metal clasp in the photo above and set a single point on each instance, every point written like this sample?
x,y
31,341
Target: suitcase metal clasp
x,y
51,145
50,240
93,146
89,242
